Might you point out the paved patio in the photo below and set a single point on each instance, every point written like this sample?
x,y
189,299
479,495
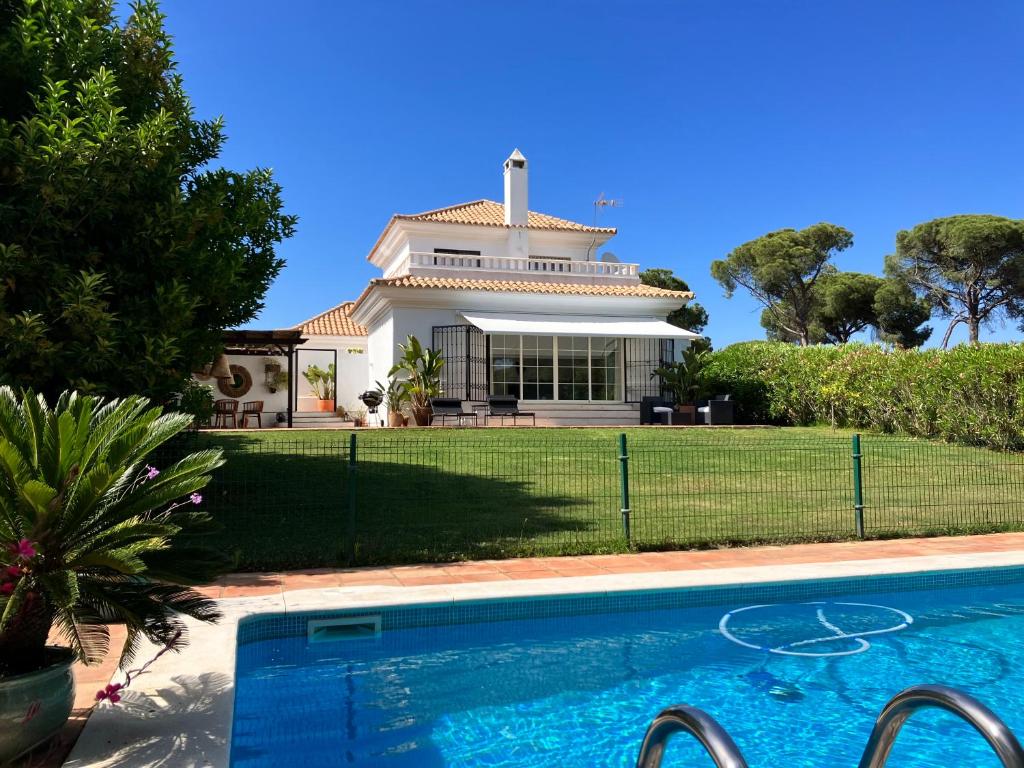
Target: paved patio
x,y
91,679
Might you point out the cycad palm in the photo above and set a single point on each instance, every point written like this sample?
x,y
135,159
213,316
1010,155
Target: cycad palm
x,y
101,538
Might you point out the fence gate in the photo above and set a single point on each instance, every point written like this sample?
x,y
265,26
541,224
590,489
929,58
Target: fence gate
x,y
465,371
639,359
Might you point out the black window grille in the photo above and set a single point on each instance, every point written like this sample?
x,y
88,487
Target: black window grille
x,y
639,359
465,371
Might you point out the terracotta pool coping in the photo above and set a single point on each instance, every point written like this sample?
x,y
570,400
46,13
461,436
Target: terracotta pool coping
x,y
260,584
296,590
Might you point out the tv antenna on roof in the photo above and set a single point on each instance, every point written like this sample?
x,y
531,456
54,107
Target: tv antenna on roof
x,y
604,202
601,202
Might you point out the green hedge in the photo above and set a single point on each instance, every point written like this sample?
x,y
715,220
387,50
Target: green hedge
x,y
970,394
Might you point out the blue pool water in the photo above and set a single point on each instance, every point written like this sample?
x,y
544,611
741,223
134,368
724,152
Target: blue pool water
x,y
566,682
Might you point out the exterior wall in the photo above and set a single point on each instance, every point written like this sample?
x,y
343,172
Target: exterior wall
x,y
351,374
273,402
380,350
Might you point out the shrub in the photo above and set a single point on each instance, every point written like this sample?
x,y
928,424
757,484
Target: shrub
x,y
970,394
90,535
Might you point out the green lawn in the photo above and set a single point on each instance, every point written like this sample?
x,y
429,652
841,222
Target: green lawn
x,y
442,494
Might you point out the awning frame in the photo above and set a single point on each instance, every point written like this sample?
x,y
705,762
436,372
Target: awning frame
x,y
606,326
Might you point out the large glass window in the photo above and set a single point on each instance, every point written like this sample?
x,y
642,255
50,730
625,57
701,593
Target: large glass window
x,y
573,369
538,368
505,378
604,369
549,368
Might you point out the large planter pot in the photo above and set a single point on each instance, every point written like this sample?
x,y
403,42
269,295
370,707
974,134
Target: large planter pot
x,y
396,419
35,706
421,415
325,406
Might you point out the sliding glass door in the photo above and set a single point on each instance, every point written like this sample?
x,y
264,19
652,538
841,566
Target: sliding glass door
x,y
571,368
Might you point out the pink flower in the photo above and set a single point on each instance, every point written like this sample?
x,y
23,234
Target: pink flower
x,y
196,498
13,572
6,588
24,549
151,472
110,693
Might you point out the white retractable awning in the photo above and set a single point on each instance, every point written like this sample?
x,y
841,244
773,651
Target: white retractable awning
x,y
576,325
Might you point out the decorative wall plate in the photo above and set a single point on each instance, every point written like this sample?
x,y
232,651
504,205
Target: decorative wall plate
x,y
239,383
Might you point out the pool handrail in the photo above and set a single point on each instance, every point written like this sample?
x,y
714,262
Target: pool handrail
x,y
968,708
699,724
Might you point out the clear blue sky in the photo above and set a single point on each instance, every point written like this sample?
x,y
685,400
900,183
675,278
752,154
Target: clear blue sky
x,y
715,121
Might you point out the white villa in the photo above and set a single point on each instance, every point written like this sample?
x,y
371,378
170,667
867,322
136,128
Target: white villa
x,y
520,303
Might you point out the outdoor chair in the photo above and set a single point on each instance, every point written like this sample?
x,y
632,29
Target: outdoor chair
x,y
449,408
504,406
252,410
223,410
655,410
718,410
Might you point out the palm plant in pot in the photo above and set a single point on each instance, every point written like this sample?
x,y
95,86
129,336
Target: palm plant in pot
x,y
421,368
90,535
321,382
685,378
394,397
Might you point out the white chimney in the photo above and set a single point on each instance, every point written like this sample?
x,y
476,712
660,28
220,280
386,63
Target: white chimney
x,y
515,190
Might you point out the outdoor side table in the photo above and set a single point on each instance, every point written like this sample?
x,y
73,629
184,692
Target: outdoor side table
x,y
684,415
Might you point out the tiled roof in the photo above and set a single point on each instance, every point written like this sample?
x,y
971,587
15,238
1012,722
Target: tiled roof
x,y
519,286
336,321
488,213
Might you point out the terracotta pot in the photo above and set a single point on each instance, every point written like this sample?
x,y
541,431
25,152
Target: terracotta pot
x,y
35,706
325,405
396,419
421,414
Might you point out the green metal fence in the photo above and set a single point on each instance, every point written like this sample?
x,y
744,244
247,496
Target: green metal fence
x,y
322,499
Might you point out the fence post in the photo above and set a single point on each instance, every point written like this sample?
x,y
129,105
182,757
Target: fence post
x,y
858,487
351,533
624,481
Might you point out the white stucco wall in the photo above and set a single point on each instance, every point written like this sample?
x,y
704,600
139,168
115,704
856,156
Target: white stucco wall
x,y
255,364
379,351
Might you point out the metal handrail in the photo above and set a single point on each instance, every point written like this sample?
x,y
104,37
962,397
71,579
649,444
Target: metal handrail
x,y
699,724
906,703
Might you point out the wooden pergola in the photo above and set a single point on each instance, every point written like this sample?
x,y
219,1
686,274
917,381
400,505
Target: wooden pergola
x,y
268,344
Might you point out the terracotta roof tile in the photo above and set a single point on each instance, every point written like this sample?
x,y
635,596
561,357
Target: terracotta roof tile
x,y
336,321
488,213
518,286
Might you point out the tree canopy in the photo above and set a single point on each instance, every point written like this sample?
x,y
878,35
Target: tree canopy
x,y
846,303
780,270
970,268
124,250
691,316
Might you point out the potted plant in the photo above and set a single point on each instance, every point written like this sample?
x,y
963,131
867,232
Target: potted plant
x,y
273,377
89,536
421,368
394,397
358,415
685,378
321,381
196,399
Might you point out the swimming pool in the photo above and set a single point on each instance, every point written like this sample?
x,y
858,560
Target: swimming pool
x,y
796,672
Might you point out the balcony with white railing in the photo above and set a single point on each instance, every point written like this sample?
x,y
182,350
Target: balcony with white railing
x,y
511,268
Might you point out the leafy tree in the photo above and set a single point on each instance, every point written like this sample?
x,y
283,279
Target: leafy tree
x,y
691,316
900,315
780,270
124,251
970,268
